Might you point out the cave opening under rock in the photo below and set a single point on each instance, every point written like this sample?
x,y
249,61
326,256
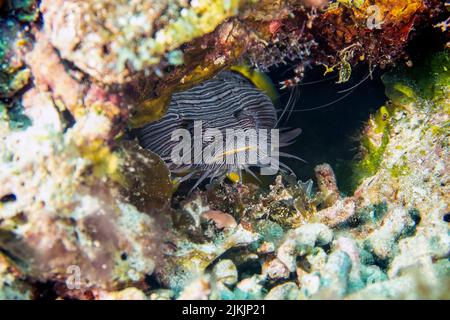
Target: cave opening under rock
x,y
332,115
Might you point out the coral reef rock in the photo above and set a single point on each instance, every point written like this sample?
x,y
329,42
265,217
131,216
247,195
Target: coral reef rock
x,y
87,213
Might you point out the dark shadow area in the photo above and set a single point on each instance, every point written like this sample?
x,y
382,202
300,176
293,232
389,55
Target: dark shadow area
x,y
329,114
332,115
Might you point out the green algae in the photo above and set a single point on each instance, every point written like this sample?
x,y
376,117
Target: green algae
x,y
401,169
374,153
373,146
428,80
12,76
425,85
22,10
10,84
13,115
400,93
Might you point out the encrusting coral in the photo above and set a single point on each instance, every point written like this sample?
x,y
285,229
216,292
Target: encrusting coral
x,y
93,215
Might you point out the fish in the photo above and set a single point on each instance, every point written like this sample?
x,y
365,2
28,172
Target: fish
x,y
231,100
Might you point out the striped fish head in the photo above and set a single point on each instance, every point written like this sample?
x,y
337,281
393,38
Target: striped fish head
x,y
229,102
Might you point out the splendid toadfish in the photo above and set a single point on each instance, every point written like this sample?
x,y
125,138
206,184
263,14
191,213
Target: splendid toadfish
x,y
238,101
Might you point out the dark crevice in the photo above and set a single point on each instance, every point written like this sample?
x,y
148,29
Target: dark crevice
x,y
8,198
446,217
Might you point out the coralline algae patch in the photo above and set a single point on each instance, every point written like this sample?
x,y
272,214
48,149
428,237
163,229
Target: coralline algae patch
x,y
92,215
